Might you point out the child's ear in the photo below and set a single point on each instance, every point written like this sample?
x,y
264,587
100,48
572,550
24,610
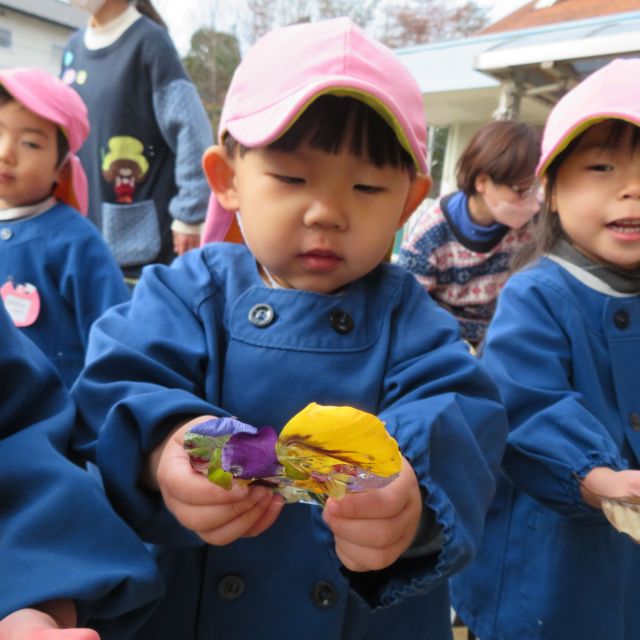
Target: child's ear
x,y
418,191
480,183
63,172
221,176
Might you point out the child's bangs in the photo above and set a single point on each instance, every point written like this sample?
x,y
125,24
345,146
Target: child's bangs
x,y
5,96
332,123
623,134
616,134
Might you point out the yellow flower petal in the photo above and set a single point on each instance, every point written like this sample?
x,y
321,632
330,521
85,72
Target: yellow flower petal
x,y
319,438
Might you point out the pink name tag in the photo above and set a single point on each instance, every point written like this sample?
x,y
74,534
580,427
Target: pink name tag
x,y
22,303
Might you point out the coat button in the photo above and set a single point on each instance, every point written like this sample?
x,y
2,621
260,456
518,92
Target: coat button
x,y
341,321
230,587
262,315
5,233
634,419
324,595
621,319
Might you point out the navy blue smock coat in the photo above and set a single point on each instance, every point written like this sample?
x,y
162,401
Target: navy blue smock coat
x,y
77,279
566,358
59,538
190,344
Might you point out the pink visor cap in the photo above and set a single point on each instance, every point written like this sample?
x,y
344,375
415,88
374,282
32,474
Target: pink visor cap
x,y
52,100
291,66
610,92
287,69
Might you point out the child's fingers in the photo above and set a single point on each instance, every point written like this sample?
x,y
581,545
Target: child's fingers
x,y
189,487
268,517
180,482
357,558
30,624
369,505
206,518
374,534
238,527
386,502
63,634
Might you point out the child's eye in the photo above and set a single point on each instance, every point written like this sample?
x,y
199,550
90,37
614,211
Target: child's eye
x,y
600,167
288,179
368,188
31,145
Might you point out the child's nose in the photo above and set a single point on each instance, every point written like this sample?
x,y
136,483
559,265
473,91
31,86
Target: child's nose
x,y
7,149
631,188
326,212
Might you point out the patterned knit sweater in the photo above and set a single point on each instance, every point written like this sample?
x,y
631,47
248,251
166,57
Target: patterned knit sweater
x,y
464,276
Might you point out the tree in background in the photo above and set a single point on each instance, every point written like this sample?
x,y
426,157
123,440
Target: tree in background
x,y
410,22
265,15
214,55
397,23
211,62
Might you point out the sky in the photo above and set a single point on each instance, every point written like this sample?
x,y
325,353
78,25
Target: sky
x,y
184,17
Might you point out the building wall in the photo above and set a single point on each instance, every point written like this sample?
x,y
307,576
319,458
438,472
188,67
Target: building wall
x,y
459,136
29,41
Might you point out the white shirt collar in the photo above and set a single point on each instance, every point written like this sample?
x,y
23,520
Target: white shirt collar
x,y
31,210
104,35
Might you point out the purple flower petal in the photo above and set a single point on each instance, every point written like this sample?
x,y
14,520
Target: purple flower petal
x,y
250,456
217,427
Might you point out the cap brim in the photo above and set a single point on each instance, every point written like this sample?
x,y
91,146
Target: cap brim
x,y
276,120
577,129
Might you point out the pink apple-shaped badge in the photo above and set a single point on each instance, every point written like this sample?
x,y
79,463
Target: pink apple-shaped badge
x,y
22,303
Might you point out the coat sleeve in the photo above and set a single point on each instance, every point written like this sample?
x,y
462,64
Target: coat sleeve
x,y
185,127
60,537
445,413
86,261
554,436
159,349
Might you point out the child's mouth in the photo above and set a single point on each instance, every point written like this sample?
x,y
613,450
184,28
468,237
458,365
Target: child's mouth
x,y
627,227
320,260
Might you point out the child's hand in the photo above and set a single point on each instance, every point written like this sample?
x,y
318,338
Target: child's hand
x,y
218,516
373,529
603,482
183,242
47,624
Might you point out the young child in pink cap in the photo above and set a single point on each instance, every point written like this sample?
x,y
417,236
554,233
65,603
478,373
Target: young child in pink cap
x,y
56,273
322,156
564,348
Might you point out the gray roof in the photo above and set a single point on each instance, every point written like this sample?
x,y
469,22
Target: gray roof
x,y
55,11
570,49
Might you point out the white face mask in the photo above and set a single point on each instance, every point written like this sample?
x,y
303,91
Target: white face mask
x,y
514,215
90,6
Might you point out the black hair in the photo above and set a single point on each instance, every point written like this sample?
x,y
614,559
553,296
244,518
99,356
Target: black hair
x,y
61,139
146,8
330,122
547,229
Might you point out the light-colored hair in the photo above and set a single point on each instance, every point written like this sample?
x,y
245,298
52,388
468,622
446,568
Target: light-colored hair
x,y
505,150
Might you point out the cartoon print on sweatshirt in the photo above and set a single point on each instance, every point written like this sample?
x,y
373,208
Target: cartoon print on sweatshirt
x,y
125,166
